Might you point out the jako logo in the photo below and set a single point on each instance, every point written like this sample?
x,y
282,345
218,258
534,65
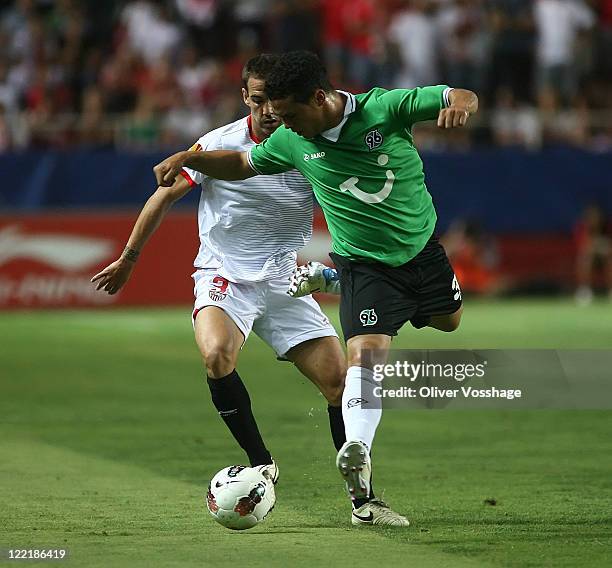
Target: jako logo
x,y
314,156
64,252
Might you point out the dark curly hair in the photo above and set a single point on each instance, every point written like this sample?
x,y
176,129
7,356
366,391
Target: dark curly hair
x,y
259,66
297,74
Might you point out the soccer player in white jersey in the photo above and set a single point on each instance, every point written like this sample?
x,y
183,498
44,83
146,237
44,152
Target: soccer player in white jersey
x,y
249,231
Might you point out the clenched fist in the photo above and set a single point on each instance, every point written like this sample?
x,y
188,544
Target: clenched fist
x,y
453,117
166,171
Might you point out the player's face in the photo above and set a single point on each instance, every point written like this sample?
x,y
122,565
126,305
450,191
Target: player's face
x,y
305,119
262,116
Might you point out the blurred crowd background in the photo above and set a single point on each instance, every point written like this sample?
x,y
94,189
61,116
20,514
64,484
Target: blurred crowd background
x,y
523,195
148,74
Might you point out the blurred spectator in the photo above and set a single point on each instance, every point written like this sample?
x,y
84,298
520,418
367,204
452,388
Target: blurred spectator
x,y
202,22
515,124
184,124
90,70
362,20
159,83
413,33
564,126
5,131
295,24
67,23
141,129
14,26
474,256
149,30
465,42
94,129
603,48
9,92
335,42
68,67
119,81
200,13
512,46
593,238
558,23
194,76
251,21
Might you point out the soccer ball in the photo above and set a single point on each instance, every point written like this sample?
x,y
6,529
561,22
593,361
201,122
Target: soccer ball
x,y
239,497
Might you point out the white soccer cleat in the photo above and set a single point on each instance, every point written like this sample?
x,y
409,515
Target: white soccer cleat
x,y
377,512
353,462
269,471
313,277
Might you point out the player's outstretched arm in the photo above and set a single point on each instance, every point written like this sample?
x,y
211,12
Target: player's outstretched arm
x,y
227,165
463,104
116,274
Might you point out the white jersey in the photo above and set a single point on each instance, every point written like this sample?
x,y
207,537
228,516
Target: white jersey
x,y
250,229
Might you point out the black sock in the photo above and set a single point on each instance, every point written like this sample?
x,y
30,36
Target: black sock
x,y
231,399
336,425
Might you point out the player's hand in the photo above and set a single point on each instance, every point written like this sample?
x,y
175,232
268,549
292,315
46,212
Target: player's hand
x,y
298,283
166,171
114,276
313,277
453,117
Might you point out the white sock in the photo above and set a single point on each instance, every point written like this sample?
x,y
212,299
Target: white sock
x,y
360,423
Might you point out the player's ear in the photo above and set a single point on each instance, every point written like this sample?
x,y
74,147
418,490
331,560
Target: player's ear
x,y
319,97
245,96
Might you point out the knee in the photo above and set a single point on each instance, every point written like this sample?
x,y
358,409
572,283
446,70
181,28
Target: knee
x,y
219,359
450,323
455,320
360,354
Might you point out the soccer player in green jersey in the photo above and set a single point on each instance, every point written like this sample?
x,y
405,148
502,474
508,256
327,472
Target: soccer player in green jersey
x,y
358,154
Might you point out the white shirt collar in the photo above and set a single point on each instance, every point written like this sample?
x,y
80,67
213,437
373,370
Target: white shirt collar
x,y
351,105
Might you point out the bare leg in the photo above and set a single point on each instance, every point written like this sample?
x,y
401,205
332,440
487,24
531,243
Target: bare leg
x,y
219,341
449,322
322,361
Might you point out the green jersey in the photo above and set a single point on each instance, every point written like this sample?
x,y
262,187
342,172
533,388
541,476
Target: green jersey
x,y
366,173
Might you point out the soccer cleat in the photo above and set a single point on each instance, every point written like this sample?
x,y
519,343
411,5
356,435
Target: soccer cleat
x,y
313,277
269,471
377,512
353,462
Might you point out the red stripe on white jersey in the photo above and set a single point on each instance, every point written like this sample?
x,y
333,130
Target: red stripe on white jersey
x,y
188,178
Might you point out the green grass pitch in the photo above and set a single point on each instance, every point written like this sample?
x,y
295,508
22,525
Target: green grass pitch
x,y
108,439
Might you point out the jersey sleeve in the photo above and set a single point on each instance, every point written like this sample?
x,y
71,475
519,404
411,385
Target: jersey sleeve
x,y
193,176
408,106
273,155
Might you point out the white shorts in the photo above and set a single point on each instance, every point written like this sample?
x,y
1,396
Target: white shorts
x,y
264,307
